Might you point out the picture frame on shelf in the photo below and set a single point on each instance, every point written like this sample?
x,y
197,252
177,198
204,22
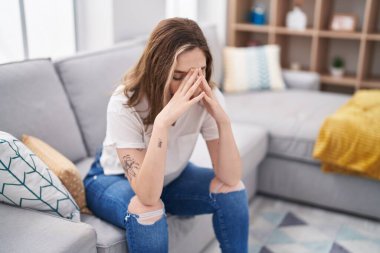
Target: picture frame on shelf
x,y
344,22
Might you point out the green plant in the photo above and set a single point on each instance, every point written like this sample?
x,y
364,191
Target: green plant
x,y
338,62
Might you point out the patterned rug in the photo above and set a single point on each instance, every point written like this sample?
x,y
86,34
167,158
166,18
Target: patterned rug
x,y
281,229
278,226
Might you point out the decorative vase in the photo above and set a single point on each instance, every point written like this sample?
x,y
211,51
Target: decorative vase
x,y
296,19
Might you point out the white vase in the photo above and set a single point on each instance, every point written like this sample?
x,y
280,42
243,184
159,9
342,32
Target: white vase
x,y
337,72
296,19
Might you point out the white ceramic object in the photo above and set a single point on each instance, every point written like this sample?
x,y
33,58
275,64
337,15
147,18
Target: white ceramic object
x,y
296,19
337,72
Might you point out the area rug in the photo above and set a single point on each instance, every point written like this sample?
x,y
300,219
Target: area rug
x,y
282,227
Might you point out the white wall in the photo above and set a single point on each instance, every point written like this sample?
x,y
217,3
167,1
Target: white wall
x,y
103,23
135,18
214,11
94,24
182,8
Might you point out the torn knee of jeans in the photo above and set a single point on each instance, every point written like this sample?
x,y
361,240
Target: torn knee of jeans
x,y
223,188
148,218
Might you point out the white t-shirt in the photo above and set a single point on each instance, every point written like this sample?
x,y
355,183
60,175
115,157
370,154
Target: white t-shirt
x,y
125,129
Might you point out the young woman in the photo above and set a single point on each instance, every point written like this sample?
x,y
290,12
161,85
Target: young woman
x,y
154,118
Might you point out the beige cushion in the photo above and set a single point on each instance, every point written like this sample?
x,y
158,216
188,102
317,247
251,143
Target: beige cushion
x,y
65,170
252,68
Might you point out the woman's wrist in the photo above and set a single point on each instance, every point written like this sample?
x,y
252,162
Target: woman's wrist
x,y
161,123
224,121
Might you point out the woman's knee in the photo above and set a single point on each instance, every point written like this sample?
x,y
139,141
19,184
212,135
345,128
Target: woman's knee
x,y
147,214
217,186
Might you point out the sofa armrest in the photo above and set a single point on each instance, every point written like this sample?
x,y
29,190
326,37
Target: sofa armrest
x,y
304,80
26,230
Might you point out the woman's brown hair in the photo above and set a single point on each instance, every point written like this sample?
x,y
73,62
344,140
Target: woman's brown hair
x,y
152,74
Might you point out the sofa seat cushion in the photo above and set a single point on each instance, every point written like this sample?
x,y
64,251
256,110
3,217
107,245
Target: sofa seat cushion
x,y
113,239
25,230
292,117
33,102
109,237
89,80
251,141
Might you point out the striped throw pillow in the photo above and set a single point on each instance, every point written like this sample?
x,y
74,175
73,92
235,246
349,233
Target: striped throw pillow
x,y
252,68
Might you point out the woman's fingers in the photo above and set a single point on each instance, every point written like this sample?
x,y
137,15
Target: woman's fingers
x,y
208,99
186,85
206,87
197,98
193,88
187,77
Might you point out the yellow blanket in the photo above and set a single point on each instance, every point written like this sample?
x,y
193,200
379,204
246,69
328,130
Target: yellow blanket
x,y
349,140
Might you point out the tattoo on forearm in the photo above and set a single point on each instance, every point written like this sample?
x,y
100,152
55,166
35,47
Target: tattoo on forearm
x,y
159,143
130,166
139,149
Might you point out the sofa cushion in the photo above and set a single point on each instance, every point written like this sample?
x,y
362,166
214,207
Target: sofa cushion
x,y
252,68
24,230
62,167
113,239
251,141
32,101
27,182
109,237
292,117
89,80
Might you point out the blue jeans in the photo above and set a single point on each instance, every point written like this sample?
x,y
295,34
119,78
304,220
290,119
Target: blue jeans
x,y
108,197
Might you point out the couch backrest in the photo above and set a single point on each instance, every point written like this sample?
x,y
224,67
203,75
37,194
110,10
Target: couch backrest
x,y
89,80
33,102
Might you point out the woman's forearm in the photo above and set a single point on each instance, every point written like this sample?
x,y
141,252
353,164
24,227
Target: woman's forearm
x,y
230,166
150,180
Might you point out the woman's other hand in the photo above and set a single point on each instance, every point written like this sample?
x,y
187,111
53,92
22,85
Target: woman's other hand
x,y
182,99
212,105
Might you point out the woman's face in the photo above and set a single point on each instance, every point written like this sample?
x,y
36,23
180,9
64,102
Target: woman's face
x,y
194,58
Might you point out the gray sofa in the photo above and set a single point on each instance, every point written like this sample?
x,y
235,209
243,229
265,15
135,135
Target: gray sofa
x,y
64,103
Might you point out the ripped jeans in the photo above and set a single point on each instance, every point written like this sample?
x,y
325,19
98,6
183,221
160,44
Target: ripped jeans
x,y
108,197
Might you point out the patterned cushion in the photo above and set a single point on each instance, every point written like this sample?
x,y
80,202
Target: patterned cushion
x,y
25,181
252,68
66,171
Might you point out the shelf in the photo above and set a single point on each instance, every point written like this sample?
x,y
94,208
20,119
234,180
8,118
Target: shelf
x,y
347,80
373,83
316,47
287,31
246,27
248,38
373,36
340,35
